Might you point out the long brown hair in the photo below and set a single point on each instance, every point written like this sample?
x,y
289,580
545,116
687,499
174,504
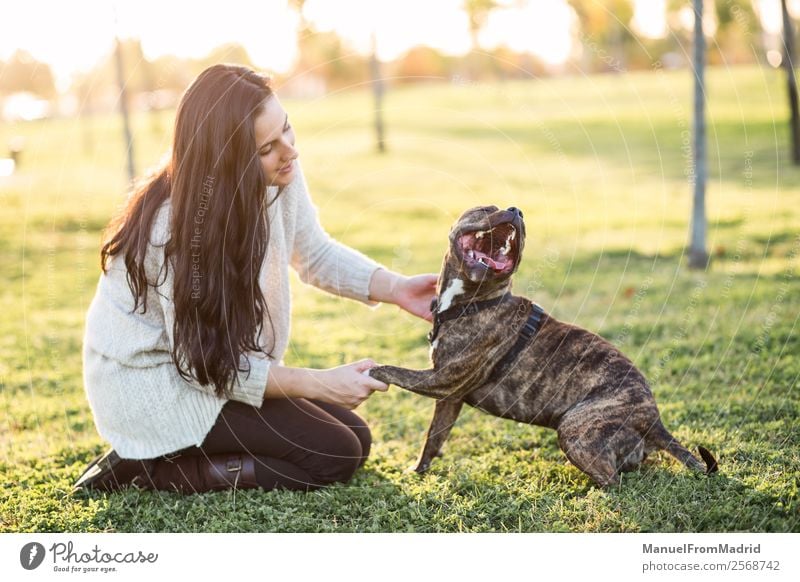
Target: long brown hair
x,y
218,228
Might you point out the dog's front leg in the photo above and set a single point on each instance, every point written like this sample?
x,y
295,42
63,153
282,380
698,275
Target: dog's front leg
x,y
443,420
439,384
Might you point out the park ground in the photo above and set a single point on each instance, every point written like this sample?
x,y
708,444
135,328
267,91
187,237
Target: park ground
x,y
600,166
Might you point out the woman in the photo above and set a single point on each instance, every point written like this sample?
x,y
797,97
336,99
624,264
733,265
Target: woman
x,y
185,334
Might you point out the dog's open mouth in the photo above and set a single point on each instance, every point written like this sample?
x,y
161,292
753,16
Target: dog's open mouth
x,y
495,249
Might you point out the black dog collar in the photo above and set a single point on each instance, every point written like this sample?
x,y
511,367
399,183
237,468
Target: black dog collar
x,y
456,312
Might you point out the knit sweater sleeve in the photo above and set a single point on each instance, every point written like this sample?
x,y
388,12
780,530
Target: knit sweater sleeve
x,y
321,260
250,381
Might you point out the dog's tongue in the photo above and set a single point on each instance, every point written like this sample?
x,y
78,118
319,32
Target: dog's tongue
x,y
489,261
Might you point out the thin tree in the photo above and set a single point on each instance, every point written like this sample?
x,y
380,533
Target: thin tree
x,y
698,256
123,100
303,25
304,30
123,107
377,91
791,81
478,15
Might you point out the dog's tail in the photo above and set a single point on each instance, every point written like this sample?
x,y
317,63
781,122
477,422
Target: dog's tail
x,y
664,440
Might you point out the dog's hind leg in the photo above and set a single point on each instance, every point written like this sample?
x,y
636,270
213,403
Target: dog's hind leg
x,y
444,417
599,464
585,450
603,451
632,454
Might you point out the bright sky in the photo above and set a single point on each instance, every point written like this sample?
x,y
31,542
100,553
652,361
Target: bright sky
x,y
74,35
649,18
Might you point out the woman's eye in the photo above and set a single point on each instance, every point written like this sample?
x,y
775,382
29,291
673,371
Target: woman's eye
x,y
268,148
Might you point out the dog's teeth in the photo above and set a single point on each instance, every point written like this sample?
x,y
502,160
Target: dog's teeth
x,y
480,234
513,234
471,254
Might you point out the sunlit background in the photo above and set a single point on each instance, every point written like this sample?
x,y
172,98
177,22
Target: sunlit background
x,y
678,245
56,58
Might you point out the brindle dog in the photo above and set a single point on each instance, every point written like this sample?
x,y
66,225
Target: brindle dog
x,y
504,355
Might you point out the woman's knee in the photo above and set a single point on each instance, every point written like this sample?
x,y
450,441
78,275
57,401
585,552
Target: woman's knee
x,y
338,460
353,422
364,436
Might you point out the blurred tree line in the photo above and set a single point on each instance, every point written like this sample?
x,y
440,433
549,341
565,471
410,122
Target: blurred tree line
x,y
23,73
610,42
604,36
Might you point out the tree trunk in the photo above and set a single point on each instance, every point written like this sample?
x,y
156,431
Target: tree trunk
x,y
123,107
617,45
698,257
791,81
377,91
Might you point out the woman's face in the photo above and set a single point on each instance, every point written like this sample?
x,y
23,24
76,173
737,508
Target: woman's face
x,y
275,143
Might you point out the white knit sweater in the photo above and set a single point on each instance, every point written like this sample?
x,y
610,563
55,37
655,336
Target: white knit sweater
x,y
141,404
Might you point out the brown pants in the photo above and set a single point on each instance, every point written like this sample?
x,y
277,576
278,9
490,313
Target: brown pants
x,y
296,443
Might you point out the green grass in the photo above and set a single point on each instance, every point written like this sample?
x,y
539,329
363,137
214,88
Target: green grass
x,y
596,165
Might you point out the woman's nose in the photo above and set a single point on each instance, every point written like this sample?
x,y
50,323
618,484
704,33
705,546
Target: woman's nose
x,y
290,152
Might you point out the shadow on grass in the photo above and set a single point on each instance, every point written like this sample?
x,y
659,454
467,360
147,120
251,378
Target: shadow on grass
x,y
652,150
692,502
518,484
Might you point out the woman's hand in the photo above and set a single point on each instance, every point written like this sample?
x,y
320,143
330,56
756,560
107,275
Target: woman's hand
x,y
414,294
346,385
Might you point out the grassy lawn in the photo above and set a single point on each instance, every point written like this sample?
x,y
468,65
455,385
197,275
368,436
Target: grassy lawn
x,y
599,167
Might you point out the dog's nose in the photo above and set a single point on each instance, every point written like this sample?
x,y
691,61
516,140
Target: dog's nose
x,y
516,211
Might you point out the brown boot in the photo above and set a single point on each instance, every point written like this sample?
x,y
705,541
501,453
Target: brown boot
x,y
109,472
202,473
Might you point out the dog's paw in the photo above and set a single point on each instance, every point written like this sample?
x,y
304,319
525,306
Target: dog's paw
x,y
378,373
418,468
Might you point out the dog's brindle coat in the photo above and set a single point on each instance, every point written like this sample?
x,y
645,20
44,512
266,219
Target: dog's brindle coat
x,y
566,378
